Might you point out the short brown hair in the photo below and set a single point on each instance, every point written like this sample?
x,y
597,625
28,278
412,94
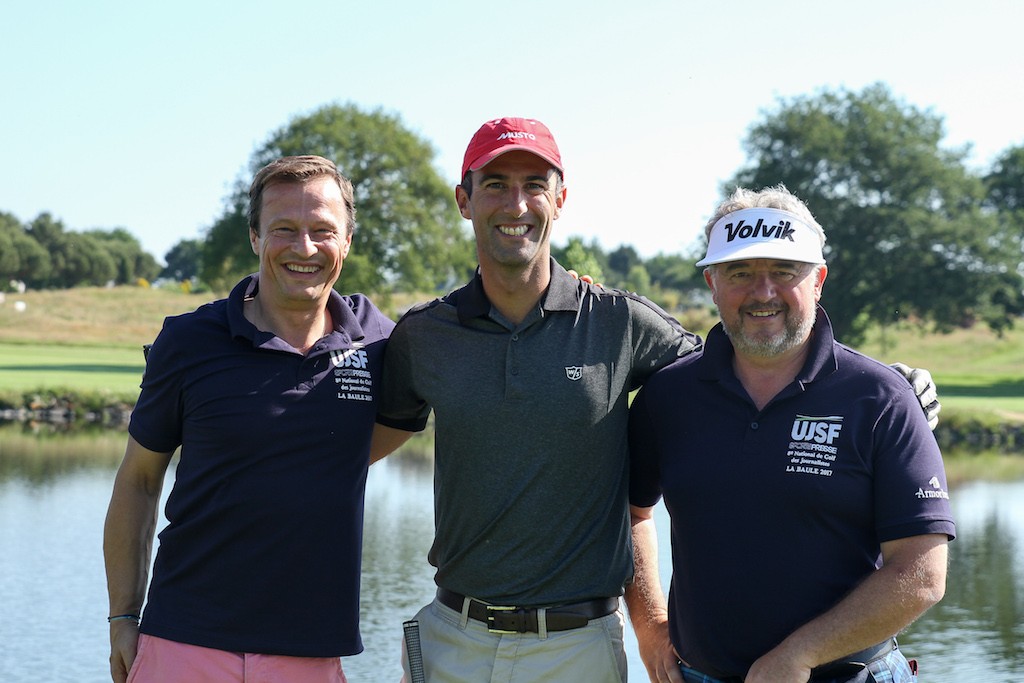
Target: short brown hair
x,y
298,169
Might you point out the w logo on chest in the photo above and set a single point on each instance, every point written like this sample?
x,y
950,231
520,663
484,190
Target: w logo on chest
x,y
574,372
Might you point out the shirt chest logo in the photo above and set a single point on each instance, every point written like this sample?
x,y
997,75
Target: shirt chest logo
x,y
574,372
352,374
812,449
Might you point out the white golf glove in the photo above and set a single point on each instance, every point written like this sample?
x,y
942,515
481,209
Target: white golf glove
x,y
924,387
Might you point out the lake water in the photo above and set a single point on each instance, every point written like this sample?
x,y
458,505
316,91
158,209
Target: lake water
x,y
53,596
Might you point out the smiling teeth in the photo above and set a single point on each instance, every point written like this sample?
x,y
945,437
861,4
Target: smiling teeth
x,y
302,269
763,314
513,230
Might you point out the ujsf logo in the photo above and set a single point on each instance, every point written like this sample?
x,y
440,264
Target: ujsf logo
x,y
350,358
817,429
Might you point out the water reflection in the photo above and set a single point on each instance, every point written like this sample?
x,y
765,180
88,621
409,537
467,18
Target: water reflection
x,y
51,571
977,631
40,453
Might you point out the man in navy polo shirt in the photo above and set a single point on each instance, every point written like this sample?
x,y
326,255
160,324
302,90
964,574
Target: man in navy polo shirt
x,y
808,500
271,396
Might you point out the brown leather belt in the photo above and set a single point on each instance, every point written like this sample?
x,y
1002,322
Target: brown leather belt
x,y
510,619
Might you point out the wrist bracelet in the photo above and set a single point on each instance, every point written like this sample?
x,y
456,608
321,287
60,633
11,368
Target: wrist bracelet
x,y
119,617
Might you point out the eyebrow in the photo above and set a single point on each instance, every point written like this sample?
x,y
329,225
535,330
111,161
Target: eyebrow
x,y
737,265
505,176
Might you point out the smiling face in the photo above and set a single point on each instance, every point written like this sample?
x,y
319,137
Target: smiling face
x,y
302,242
514,202
767,307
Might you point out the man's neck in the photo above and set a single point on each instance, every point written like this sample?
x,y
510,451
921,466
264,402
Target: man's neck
x,y
301,328
764,377
515,292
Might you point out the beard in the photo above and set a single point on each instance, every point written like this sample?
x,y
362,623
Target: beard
x,y
794,333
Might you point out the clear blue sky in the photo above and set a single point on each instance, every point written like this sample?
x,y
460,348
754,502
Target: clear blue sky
x,y
141,114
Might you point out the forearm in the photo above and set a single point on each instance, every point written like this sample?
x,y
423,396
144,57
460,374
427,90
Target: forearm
x,y
644,597
130,526
884,604
385,441
127,548
645,601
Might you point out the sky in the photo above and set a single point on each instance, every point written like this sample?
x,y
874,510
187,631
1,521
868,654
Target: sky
x,y
142,115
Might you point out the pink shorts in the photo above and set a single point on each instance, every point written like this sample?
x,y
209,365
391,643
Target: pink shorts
x,y
166,661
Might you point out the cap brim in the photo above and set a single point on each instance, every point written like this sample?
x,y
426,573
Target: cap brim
x,y
485,159
766,250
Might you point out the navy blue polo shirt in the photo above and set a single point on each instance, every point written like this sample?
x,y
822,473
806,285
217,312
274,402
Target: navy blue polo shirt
x,y
262,549
777,514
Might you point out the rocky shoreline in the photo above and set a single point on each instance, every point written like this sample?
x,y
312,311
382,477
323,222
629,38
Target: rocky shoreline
x,y
66,413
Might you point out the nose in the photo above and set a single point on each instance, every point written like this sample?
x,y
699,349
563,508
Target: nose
x,y
303,244
515,201
763,287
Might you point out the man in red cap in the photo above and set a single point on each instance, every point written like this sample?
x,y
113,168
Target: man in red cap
x,y
528,373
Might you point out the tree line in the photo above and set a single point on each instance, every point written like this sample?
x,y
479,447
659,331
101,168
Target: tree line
x,y
913,233
43,254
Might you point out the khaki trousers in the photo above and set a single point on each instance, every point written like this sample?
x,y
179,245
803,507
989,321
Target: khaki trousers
x,y
457,649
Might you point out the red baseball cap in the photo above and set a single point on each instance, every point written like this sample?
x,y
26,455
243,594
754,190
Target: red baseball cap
x,y
509,134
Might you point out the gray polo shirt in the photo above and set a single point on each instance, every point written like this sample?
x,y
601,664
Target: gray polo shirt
x,y
531,460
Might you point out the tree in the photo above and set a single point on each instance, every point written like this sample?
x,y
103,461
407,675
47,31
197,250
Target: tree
x,y
1005,182
622,261
76,258
21,256
1004,186
675,271
131,263
184,260
581,258
409,233
226,255
48,233
907,236
638,279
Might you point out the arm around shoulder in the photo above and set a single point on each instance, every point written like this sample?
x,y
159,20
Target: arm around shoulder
x,y
386,440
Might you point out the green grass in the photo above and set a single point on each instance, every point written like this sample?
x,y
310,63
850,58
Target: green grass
x,y
90,339
94,369
87,343
974,369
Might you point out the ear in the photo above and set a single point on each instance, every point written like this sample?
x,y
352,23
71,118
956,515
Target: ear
x,y
254,241
559,201
462,200
711,285
346,245
820,282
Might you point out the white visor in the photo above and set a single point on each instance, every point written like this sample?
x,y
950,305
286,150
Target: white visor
x,y
762,233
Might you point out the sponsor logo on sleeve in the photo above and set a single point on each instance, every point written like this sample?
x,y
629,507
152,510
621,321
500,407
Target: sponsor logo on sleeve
x,y
934,490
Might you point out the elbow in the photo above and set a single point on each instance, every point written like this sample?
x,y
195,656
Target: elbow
x,y
933,593
929,587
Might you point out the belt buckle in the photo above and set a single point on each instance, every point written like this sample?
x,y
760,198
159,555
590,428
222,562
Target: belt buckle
x,y
501,609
